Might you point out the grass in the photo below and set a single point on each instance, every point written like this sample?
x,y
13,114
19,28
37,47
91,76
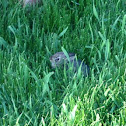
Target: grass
x,y
32,93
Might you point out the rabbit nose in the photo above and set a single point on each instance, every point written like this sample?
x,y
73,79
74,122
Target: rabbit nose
x,y
53,65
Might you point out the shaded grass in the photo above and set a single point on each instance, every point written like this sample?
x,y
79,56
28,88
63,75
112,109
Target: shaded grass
x,y
31,94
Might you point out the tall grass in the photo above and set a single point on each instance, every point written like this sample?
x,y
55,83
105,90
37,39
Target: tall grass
x,y
32,93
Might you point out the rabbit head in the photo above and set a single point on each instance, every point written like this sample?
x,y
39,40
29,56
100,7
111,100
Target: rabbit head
x,y
59,58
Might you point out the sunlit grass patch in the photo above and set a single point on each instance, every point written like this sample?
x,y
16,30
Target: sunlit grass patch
x,y
32,93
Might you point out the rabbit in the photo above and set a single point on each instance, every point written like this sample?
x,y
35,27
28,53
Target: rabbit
x,y
29,2
59,59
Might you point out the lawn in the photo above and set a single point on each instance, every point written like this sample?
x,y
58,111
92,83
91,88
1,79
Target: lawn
x,y
34,94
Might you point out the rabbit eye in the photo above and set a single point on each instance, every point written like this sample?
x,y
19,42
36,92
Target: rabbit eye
x,y
57,59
